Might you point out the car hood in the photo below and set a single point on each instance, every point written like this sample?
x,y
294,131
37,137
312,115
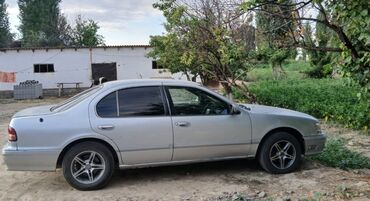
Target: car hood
x,y
263,109
34,111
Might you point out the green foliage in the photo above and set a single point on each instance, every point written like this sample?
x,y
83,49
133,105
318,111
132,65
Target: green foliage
x,y
335,154
273,55
174,50
346,22
353,16
292,65
41,23
5,36
203,39
320,71
85,33
293,69
321,60
272,33
325,98
323,35
176,55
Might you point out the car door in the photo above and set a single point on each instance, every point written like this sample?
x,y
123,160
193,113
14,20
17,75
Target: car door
x,y
137,120
204,127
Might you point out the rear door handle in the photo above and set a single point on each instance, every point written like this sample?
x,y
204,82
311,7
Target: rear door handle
x,y
106,127
182,124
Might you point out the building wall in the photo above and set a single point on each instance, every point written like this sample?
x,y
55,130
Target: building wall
x,y
74,65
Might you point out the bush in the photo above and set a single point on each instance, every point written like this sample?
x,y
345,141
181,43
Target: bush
x,y
320,72
322,98
335,154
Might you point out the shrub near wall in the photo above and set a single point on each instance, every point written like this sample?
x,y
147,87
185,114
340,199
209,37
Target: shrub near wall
x,y
322,98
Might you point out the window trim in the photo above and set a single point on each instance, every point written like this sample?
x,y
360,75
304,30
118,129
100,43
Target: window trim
x,y
171,105
156,66
165,106
117,102
96,104
47,68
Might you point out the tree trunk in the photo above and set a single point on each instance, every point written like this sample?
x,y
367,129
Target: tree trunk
x,y
228,90
187,76
194,78
277,70
347,42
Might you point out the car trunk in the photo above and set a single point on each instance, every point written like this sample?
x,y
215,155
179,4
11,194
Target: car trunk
x,y
34,111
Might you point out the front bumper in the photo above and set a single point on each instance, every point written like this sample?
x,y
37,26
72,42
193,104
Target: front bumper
x,y
33,159
314,144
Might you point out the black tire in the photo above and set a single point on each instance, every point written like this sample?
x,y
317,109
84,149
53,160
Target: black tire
x,y
102,157
276,162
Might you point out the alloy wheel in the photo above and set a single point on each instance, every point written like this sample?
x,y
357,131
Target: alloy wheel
x,y
87,167
282,154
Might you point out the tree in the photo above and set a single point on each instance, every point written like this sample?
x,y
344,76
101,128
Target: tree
x,y
321,60
6,36
351,21
65,31
348,21
174,54
202,39
308,39
85,33
272,33
42,24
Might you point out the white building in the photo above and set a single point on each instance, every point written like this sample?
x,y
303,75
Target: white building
x,y
51,66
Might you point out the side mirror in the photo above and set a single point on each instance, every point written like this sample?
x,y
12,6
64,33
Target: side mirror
x,y
234,110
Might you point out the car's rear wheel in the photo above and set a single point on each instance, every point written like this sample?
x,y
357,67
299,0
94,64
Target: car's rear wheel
x,y
280,153
88,166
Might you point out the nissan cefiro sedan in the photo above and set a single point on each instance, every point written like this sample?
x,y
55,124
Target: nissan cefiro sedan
x,y
142,123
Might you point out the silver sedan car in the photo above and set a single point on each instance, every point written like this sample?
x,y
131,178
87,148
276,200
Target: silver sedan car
x,y
141,123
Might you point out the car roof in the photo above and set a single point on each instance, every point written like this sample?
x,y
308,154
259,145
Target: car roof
x,y
171,82
150,82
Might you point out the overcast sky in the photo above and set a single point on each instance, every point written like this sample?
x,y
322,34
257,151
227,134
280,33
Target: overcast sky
x,y
122,22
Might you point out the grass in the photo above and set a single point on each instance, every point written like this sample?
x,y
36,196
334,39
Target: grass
x,y
294,70
335,154
328,99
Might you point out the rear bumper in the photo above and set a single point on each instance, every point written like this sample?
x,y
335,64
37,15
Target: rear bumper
x,y
32,160
314,144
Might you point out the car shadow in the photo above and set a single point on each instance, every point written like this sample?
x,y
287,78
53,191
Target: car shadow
x,y
178,172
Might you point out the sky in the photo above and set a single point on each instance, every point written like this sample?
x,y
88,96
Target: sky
x,y
122,22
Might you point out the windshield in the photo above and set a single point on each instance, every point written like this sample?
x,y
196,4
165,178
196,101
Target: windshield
x,y
77,98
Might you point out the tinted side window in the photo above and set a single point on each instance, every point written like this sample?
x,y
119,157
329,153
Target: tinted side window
x,y
191,101
142,101
107,106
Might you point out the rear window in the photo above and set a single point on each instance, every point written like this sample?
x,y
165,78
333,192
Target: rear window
x,y
140,101
107,106
143,101
76,98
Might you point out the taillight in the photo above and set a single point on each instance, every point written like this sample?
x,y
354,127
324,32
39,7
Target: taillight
x,y
12,135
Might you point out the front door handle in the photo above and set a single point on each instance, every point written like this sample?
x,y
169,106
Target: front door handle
x,y
106,127
182,124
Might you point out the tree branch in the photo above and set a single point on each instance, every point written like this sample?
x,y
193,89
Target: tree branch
x,y
315,48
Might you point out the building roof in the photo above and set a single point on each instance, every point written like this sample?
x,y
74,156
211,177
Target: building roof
x,y
74,47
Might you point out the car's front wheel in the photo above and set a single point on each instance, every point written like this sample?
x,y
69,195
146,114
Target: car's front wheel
x,y
88,166
280,153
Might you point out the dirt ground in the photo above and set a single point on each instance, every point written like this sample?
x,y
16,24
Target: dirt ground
x,y
227,180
